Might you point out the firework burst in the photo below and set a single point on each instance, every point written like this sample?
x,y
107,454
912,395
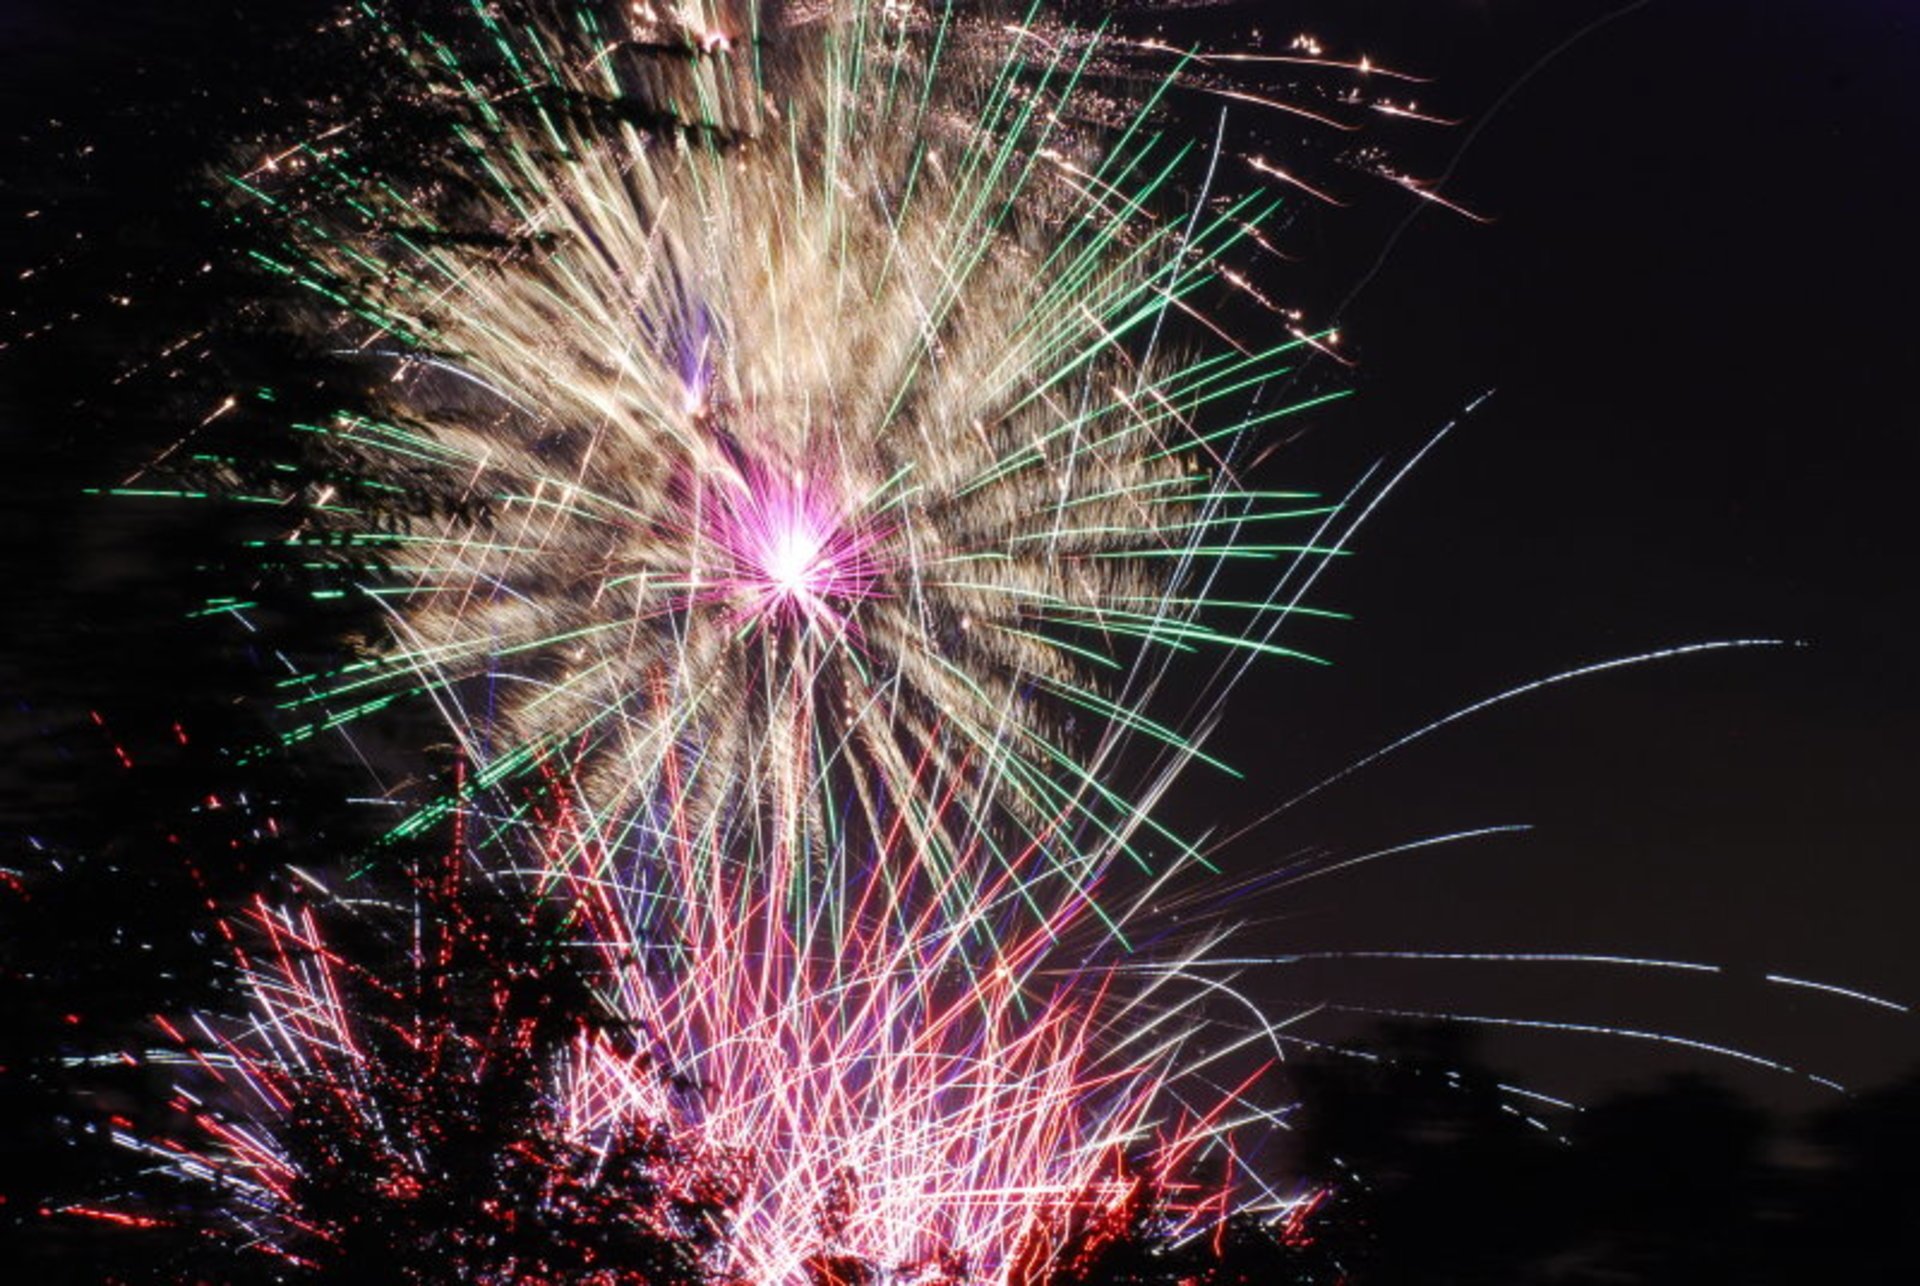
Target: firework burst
x,y
789,444
786,397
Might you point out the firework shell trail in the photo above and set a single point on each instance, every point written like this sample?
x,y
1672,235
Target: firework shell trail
x,y
780,397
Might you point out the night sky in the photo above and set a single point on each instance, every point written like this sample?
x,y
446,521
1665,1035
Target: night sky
x,y
1693,300
1691,303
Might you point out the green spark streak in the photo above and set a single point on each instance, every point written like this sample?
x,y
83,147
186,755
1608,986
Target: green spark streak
x,y
1084,653
1174,634
1197,524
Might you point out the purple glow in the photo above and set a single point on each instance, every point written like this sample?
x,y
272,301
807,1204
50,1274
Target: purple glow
x,y
793,555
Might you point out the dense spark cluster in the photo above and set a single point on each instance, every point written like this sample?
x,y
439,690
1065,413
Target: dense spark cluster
x,y
817,436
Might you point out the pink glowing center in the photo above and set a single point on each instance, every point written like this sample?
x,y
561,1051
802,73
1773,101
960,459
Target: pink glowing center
x,y
795,565
795,556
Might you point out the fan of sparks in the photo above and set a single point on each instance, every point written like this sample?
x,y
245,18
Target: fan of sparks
x,y
785,403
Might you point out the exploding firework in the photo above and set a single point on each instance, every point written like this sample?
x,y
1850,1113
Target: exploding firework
x,y
787,405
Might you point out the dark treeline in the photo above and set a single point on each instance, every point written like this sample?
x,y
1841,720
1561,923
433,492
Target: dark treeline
x,y
1434,1176
1417,1168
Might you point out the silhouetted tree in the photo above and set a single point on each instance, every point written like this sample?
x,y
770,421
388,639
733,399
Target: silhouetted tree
x,y
1852,1207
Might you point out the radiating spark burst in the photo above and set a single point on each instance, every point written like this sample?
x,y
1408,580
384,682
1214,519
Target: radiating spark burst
x,y
794,554
794,385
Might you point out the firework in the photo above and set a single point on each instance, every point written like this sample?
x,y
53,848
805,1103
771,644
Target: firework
x,y
778,448
785,404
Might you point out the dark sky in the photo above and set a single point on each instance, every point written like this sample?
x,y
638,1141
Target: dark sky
x,y
1695,302
1694,298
